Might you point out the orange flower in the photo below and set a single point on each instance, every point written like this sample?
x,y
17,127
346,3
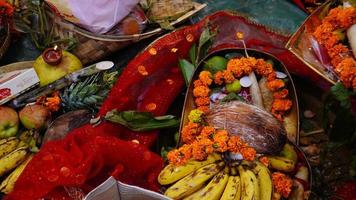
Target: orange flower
x,y
198,151
180,156
198,83
275,84
219,78
235,144
202,101
264,160
263,68
228,76
205,109
282,184
205,77
281,104
53,103
201,91
347,71
280,94
241,66
248,153
207,131
190,132
220,140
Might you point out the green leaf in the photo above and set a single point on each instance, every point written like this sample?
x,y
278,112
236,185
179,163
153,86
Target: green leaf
x,y
187,69
204,37
141,121
192,54
231,97
342,94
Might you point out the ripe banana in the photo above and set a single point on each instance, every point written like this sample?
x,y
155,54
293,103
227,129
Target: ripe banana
x,y
281,163
233,189
193,181
171,173
264,181
12,160
247,185
7,145
8,184
214,189
256,194
289,152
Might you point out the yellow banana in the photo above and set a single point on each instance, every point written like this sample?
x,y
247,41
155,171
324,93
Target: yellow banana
x,y
7,145
281,163
12,160
214,189
233,189
264,181
247,185
256,194
8,184
193,181
171,173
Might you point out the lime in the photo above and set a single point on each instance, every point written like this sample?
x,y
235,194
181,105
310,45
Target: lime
x,y
215,64
233,87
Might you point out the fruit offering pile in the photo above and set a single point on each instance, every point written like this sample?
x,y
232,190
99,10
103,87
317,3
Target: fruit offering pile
x,y
224,152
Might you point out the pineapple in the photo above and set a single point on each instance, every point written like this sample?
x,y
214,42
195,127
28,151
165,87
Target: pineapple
x,y
89,93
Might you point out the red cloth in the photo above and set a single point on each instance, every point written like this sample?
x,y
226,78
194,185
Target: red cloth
x,y
93,153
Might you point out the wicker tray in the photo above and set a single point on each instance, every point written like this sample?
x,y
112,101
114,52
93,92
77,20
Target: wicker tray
x,y
93,47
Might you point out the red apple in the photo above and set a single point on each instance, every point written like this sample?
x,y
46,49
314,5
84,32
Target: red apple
x,y
9,122
34,116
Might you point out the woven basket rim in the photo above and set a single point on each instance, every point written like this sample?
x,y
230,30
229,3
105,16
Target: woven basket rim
x,y
134,37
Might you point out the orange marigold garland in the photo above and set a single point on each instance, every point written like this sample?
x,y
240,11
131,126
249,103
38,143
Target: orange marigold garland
x,y
342,60
200,139
282,184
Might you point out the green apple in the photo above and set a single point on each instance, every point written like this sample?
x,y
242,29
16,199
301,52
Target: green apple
x,y
49,73
34,116
9,122
233,87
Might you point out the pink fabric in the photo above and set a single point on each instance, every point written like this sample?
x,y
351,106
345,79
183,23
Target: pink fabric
x,y
99,16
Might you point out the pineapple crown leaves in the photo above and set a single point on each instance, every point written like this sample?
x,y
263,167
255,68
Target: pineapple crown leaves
x,y
89,93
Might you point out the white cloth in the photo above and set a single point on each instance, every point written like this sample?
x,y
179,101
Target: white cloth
x,y
99,16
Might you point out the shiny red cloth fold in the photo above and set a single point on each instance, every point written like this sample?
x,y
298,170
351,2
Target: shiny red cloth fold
x,y
150,82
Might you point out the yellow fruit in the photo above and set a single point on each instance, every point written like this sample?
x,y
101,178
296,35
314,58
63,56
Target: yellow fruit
x,y
256,194
8,184
247,185
194,181
233,189
49,73
12,160
171,173
289,152
281,163
214,189
264,181
8,145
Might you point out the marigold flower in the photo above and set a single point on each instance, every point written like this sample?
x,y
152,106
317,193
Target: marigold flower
x,y
228,76
234,144
207,131
219,78
275,84
190,132
241,66
198,83
263,68
201,91
282,184
205,77
281,94
264,160
195,116
220,140
198,151
202,101
281,104
180,156
205,109
248,153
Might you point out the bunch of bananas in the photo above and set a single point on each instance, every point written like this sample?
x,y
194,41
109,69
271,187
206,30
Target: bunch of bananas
x,y
14,156
218,178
